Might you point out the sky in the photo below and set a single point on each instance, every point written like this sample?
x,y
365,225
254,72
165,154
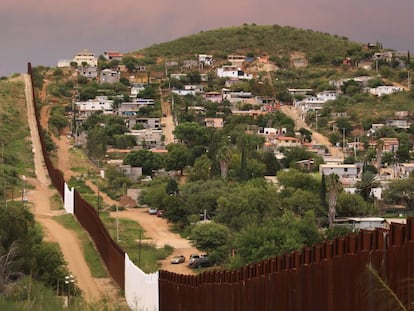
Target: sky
x,y
44,31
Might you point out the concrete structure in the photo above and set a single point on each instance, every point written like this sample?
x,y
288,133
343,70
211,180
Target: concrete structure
x,y
86,57
87,108
109,76
89,72
214,122
112,55
342,170
233,72
148,138
384,90
206,59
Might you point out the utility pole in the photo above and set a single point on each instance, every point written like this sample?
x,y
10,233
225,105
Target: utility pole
x,y
343,140
117,224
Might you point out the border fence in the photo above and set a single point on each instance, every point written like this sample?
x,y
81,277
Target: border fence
x,y
331,276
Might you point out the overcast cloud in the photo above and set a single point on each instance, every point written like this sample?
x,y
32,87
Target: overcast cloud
x,y
43,31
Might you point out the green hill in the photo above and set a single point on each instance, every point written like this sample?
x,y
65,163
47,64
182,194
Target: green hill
x,y
274,41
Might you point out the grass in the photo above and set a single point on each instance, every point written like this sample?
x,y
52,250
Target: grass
x,y
90,253
132,240
56,202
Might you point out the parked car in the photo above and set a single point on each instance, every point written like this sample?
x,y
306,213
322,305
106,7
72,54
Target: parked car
x,y
152,211
160,213
193,257
178,259
201,262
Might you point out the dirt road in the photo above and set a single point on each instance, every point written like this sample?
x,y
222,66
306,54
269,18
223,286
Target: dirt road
x,y
318,138
157,229
160,234
39,200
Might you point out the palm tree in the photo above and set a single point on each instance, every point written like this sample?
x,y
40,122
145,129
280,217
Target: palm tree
x,y
333,186
224,156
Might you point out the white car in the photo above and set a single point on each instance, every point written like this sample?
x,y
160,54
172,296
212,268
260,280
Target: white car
x,y
152,211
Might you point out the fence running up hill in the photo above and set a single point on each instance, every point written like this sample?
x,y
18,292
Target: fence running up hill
x,y
112,255
330,276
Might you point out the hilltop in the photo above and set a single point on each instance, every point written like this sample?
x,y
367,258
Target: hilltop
x,y
274,41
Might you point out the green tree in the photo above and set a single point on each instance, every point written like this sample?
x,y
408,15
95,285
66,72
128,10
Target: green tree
x,y
365,185
209,236
146,159
349,205
401,191
224,157
333,186
177,157
201,169
96,142
191,133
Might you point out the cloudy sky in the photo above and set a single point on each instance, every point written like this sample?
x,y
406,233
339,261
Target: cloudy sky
x,y
43,31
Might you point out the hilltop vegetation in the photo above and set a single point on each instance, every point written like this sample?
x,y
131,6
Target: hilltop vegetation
x,y
275,41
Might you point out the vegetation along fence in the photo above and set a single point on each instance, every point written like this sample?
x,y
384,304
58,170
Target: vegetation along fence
x,y
112,255
364,271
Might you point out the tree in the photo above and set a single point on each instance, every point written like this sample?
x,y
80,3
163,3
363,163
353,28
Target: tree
x,y
273,237
146,159
302,201
349,205
177,157
224,157
365,185
201,169
401,191
191,133
209,236
96,142
333,186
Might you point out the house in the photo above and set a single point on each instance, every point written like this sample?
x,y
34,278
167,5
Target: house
x,y
405,169
100,103
317,102
86,57
89,72
147,123
113,55
301,92
206,59
178,76
398,123
361,80
384,90
148,138
233,72
190,64
109,76
214,122
361,223
236,60
385,56
136,88
342,170
286,141
390,144
215,97
184,92
272,131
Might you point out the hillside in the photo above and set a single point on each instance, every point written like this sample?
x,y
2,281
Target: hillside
x,y
275,41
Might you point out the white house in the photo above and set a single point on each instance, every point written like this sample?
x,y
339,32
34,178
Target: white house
x,y
87,57
100,103
347,171
384,90
206,59
233,72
